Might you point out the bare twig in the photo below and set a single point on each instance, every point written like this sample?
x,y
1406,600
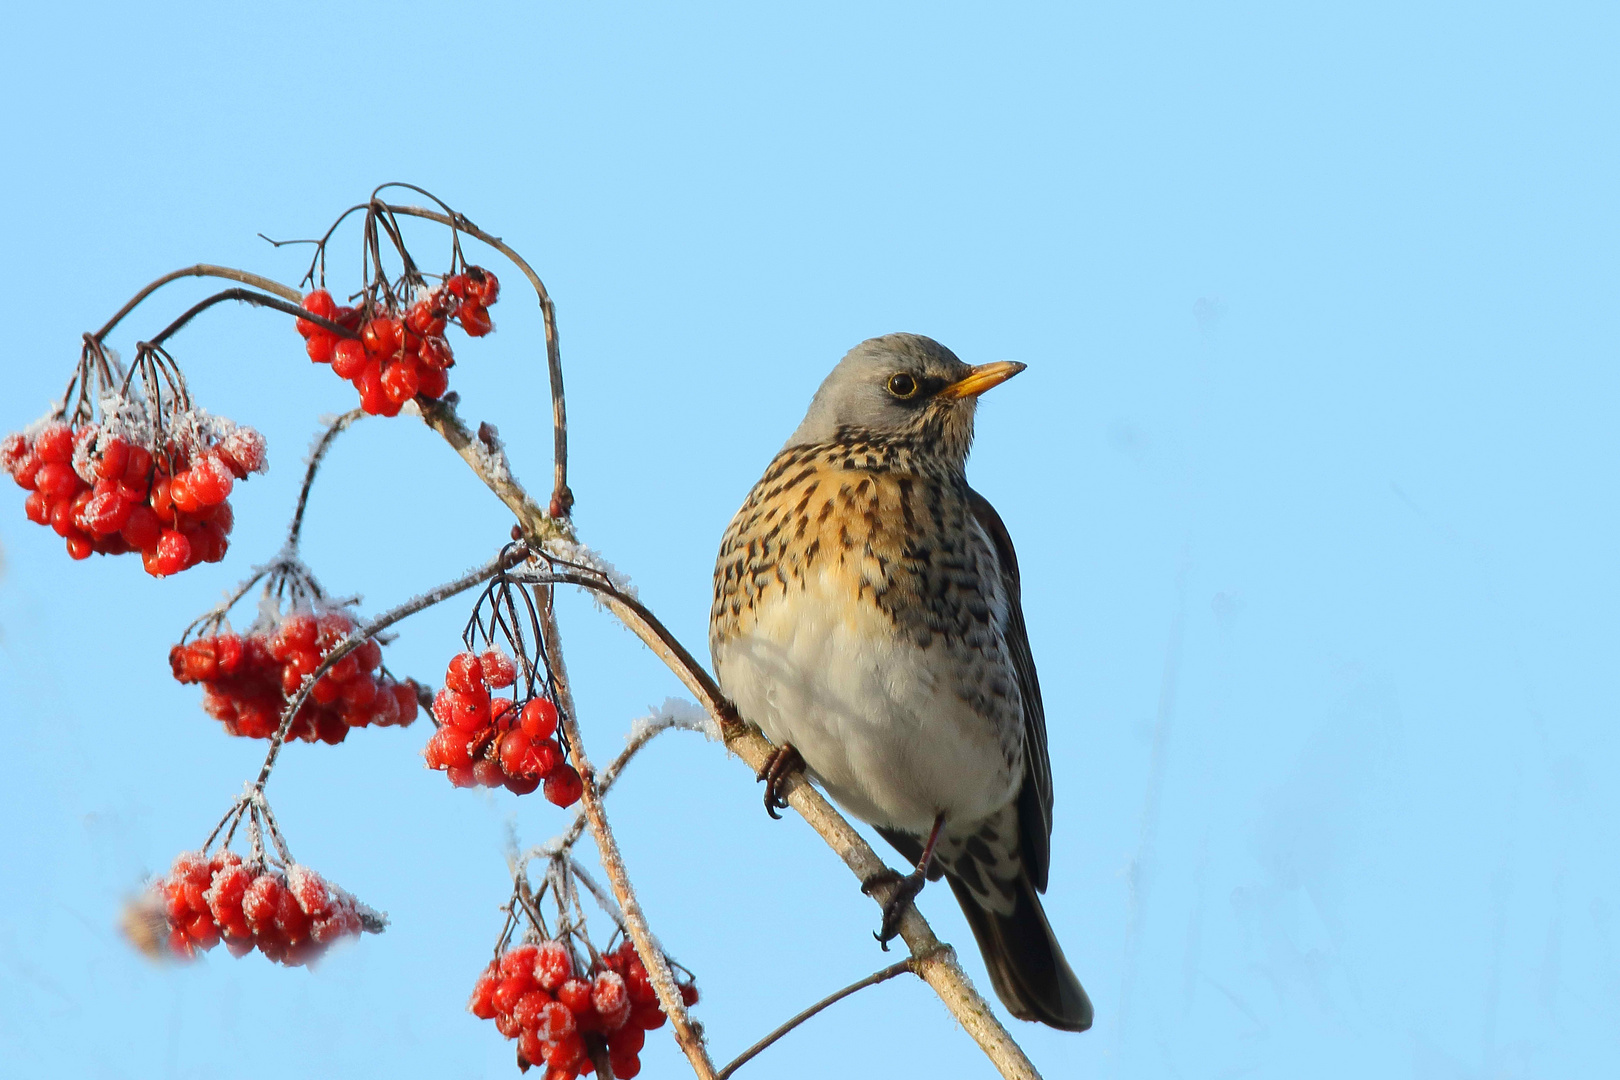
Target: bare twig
x,y
635,920
871,980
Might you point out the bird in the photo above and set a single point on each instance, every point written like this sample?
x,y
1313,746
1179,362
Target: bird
x,y
867,618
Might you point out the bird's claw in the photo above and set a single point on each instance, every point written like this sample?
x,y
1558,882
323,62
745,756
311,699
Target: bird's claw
x,y
782,763
906,888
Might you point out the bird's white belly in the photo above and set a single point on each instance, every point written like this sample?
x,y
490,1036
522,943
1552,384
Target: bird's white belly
x,y
876,718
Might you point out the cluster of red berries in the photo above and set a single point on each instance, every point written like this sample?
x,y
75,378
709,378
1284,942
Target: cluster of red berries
x,y
534,996
105,492
290,915
249,678
485,741
400,354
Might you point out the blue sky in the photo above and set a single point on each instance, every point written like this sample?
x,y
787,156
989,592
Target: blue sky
x,y
1311,476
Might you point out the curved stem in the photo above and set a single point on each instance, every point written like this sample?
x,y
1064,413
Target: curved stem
x,y
200,270
562,499
871,980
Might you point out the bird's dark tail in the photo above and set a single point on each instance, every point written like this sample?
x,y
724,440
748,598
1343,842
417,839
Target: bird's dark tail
x,y
1026,962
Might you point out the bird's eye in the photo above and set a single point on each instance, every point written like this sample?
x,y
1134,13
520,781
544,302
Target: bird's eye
x,y
902,385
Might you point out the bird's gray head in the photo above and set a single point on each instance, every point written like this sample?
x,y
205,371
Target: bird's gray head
x,y
905,387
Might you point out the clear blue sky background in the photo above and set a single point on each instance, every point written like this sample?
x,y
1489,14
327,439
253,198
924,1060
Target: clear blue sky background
x,y
1311,474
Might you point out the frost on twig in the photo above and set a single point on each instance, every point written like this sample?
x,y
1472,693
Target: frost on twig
x,y
577,556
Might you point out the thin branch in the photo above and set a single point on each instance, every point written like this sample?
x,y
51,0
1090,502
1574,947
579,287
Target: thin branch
x,y
634,919
871,980
562,499
200,270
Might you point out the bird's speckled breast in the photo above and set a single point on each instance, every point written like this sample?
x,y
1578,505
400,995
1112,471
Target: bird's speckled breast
x,y
857,614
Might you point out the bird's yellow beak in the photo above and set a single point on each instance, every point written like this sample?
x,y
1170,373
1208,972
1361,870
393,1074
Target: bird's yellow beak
x,y
982,378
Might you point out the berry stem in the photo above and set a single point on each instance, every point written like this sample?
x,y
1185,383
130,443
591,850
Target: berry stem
x,y
257,299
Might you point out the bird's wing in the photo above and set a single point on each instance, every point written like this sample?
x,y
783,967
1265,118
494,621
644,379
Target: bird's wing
x,y
1035,797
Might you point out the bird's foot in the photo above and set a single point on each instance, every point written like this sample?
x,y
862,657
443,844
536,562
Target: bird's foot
x,y
782,763
906,888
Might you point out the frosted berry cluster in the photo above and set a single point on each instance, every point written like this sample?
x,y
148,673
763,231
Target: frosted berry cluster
x,y
249,678
535,996
400,353
291,915
110,489
486,741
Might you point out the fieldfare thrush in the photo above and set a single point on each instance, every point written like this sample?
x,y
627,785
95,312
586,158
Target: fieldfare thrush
x,y
867,618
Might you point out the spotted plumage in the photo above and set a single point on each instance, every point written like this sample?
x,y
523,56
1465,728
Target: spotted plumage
x,y
867,612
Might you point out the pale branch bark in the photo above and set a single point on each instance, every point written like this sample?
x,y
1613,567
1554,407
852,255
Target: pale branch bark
x,y
635,920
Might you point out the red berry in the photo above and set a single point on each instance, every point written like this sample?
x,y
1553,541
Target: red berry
x,y
399,380
405,698
528,1008
517,754
432,382
381,336
436,352
142,528
348,358
539,719
468,712
627,1040
464,673
174,554
519,960
499,670
318,303
566,1052
553,965
57,479
689,994
319,347
563,786
489,773
482,1004
509,990
462,776
482,286
475,319
611,999
38,508
522,785
456,285
210,480
647,1017
54,444
576,994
